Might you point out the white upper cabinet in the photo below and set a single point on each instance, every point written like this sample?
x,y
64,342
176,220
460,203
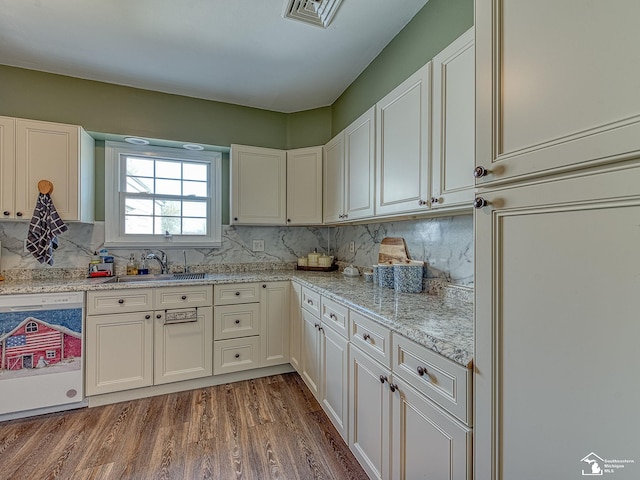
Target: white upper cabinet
x,y
402,146
349,171
557,86
32,151
333,190
258,186
276,187
304,186
453,125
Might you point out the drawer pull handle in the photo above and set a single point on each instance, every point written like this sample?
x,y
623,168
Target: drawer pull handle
x,y
237,355
383,379
237,294
366,336
320,329
237,321
393,387
183,297
317,325
147,317
333,316
121,301
422,371
310,302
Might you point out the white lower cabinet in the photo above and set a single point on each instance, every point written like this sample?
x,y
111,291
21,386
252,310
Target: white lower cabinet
x,y
369,436
426,442
274,317
148,344
295,325
310,354
334,375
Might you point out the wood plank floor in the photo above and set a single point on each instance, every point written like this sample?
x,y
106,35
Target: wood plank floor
x,y
268,428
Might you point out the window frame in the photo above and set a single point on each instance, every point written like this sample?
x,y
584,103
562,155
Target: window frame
x,y
114,197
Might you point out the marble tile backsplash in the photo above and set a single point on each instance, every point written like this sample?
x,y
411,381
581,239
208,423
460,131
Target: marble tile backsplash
x,y
446,244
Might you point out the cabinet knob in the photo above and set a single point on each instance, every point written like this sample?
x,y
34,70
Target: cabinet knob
x,y
159,315
422,371
121,301
366,336
237,355
147,317
480,172
235,219
237,294
264,285
237,321
19,214
393,387
183,297
480,202
435,200
383,379
288,220
422,202
346,215
7,213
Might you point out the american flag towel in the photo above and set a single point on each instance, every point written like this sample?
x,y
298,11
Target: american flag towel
x,y
45,226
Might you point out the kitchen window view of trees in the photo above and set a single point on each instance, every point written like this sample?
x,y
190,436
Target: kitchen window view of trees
x,y
158,196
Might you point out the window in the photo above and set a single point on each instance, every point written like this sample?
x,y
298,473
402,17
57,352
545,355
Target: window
x,y
161,196
51,354
31,327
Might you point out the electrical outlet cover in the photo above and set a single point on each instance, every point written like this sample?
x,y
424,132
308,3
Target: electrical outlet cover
x,y
258,245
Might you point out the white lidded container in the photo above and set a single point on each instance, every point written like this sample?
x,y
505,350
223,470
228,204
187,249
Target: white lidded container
x,y
407,276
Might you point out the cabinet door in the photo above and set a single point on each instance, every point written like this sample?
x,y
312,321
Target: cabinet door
x,y
557,277
119,352
425,441
274,328
334,374
258,186
369,413
543,101
47,151
402,146
359,171
295,325
183,346
304,186
453,124
310,354
333,190
7,166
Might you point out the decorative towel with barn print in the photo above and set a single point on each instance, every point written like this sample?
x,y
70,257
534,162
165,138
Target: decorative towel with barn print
x,y
45,226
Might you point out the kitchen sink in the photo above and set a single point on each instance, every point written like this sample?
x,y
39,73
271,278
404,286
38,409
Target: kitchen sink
x,y
156,278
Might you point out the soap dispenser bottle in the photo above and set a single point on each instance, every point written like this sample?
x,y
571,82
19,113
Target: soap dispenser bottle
x,y
132,267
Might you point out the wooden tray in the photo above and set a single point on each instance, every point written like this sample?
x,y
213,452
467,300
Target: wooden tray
x,y
318,269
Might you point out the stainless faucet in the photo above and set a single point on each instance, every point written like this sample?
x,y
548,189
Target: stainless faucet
x,y
185,268
162,260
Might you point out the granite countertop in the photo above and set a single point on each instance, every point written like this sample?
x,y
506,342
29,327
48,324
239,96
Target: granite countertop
x,y
443,323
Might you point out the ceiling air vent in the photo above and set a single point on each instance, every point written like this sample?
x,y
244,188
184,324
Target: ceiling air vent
x,y
315,12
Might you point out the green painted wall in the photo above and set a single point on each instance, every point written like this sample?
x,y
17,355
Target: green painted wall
x,y
433,28
309,128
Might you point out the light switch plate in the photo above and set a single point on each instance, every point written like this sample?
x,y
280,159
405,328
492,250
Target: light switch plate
x,y
258,245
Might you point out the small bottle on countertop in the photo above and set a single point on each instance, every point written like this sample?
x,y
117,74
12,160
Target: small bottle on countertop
x,y
132,266
143,269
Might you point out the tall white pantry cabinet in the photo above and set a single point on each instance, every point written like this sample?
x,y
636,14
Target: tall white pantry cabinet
x,y
557,239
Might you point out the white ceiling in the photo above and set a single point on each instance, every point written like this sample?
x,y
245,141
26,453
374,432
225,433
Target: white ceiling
x,y
236,51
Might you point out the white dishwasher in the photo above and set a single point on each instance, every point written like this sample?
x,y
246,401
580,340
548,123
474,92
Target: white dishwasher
x,y
41,353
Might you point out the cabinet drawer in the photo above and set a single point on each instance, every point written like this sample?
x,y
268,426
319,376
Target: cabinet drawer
x,y
236,293
370,337
234,321
119,301
311,301
183,297
443,381
335,316
236,354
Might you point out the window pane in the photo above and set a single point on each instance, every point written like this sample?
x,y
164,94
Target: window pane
x,y
137,206
138,225
198,189
166,169
194,209
168,187
139,167
168,208
139,185
194,226
194,171
167,224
